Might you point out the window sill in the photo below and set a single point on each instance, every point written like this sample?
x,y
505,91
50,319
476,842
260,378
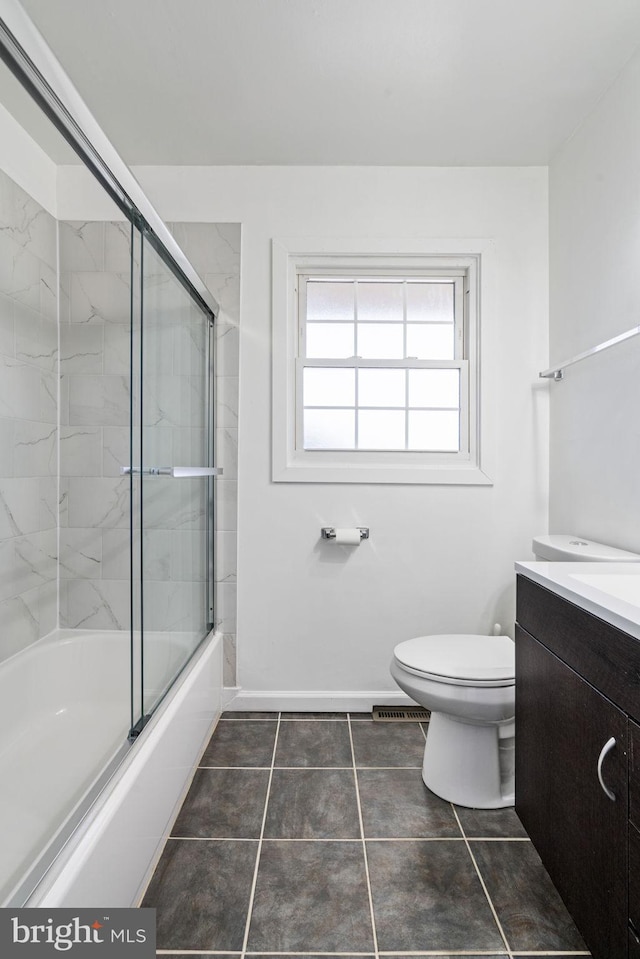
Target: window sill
x,y
464,474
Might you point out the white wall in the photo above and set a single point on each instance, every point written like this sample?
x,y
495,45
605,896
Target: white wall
x,y
440,559
594,295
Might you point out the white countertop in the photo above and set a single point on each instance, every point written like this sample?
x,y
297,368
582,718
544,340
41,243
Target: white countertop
x,y
610,591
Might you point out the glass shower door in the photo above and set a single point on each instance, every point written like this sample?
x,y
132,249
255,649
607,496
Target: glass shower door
x,y
174,541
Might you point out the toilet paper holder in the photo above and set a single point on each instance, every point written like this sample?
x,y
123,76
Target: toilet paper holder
x,y
329,532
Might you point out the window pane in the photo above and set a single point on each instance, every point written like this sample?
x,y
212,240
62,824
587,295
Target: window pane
x,y
434,388
434,431
380,341
329,301
329,429
329,387
381,388
430,302
330,339
380,302
381,430
430,342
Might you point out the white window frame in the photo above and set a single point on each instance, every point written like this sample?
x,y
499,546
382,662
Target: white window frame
x,y
456,277
292,258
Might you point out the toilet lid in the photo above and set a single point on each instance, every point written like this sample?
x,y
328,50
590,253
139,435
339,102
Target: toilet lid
x,y
470,657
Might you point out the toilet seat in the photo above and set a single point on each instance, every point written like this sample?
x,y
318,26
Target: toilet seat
x,y
460,659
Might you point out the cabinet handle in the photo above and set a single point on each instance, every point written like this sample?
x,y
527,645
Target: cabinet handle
x,y
606,749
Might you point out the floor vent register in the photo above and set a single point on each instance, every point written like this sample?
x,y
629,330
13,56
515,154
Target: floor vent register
x,y
390,714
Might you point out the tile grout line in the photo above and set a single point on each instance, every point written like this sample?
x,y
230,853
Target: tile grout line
x,y
482,883
283,720
210,839
349,768
405,839
368,955
364,845
264,823
305,718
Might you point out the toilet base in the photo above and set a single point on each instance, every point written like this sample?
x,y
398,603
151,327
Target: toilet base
x,y
470,765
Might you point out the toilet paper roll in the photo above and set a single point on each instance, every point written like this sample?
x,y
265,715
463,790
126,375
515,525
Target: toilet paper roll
x,y
347,537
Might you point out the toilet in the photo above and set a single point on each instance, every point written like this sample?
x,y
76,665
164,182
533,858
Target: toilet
x,y
468,683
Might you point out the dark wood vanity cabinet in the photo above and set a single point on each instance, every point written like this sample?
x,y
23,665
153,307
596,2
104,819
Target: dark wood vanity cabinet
x,y
562,724
634,840
578,763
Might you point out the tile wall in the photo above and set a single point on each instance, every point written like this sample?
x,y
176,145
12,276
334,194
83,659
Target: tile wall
x,y
96,393
95,296
175,334
94,398
28,419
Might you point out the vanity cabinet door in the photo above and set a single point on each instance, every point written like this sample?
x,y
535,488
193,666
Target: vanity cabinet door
x,y
563,726
634,877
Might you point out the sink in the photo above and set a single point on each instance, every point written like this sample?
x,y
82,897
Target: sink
x,y
624,586
610,591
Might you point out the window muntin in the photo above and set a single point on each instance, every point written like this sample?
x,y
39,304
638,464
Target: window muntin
x,y
381,364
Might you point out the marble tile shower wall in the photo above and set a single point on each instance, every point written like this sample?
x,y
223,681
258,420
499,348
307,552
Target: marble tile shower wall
x,y
94,440
214,250
95,296
28,419
93,416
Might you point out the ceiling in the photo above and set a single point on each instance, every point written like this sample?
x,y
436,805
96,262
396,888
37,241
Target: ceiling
x,y
375,82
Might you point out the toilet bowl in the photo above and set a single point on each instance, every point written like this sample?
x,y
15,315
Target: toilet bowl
x,y
468,683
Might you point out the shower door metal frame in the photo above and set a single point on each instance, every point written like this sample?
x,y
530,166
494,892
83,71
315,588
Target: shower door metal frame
x,y
209,471
210,393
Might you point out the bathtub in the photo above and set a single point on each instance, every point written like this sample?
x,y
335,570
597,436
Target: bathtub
x,y
77,799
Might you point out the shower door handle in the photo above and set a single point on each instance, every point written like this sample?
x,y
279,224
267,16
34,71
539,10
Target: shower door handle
x,y
182,472
176,472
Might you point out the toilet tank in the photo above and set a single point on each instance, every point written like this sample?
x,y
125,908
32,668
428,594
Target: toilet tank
x,y
565,548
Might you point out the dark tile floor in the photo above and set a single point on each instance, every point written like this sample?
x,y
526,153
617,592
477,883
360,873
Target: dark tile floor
x,y
313,835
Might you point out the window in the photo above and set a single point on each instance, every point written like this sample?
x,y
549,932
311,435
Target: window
x,y
381,363
375,366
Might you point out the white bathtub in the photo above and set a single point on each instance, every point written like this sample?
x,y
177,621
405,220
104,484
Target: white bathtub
x,y
64,717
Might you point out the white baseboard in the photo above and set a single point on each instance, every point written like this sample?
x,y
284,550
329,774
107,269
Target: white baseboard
x,y
229,694
312,701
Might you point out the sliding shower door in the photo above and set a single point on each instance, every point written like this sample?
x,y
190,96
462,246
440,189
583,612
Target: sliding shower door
x,y
172,533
